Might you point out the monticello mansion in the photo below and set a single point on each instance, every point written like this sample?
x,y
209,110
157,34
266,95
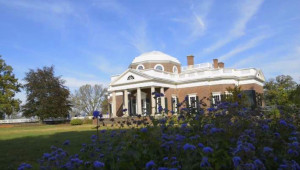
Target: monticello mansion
x,y
131,93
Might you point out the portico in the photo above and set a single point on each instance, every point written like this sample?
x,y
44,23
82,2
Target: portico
x,y
138,101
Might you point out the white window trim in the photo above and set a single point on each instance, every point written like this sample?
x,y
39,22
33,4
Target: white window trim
x,y
175,109
139,66
190,102
163,69
215,94
176,69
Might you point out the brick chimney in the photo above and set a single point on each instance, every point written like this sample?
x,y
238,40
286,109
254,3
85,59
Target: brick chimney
x,y
215,63
221,65
190,60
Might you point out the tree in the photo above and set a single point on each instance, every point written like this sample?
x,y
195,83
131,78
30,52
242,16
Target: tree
x,y
9,86
105,106
46,94
295,96
88,98
278,90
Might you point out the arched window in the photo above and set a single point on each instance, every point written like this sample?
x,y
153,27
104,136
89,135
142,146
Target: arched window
x,y
175,69
140,67
130,77
159,67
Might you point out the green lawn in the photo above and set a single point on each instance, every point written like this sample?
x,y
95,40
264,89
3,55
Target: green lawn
x,y
27,143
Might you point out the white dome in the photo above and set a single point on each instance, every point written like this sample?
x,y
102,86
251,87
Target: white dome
x,y
154,56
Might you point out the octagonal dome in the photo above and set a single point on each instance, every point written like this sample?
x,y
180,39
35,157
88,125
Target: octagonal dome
x,y
155,56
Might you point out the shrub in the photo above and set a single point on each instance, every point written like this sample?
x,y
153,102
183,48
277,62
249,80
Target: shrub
x,y
76,122
87,121
227,136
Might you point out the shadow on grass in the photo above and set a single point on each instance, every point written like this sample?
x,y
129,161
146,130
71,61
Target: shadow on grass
x,y
30,149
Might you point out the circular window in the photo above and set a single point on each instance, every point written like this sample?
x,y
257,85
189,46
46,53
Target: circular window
x,y
175,70
140,67
159,67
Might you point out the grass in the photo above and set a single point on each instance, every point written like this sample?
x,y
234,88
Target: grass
x,y
27,143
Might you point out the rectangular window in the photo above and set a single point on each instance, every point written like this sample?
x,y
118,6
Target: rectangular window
x,y
174,104
192,101
216,98
158,102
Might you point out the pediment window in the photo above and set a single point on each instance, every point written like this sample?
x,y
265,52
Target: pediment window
x,y
130,77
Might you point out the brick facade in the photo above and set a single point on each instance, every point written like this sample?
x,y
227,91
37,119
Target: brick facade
x,y
203,92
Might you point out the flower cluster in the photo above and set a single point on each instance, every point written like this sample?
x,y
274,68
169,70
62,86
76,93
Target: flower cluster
x,y
223,137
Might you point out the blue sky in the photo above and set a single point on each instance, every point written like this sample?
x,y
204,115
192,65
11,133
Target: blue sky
x,y
88,41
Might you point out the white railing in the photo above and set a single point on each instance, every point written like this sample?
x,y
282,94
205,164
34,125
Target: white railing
x,y
197,66
202,73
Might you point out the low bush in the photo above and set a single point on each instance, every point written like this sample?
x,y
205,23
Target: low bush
x,y
76,122
87,121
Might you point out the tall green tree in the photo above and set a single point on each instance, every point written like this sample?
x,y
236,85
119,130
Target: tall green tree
x,y
9,86
88,98
278,90
295,96
46,94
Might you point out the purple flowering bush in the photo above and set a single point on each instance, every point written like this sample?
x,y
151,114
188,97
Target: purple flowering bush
x,y
227,136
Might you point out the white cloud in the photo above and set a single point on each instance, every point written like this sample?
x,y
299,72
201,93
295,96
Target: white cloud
x,y
246,11
243,47
195,21
139,38
74,83
55,14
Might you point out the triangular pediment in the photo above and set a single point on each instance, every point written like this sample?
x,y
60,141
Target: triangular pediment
x,y
130,76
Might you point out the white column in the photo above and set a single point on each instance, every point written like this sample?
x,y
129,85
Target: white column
x,y
125,105
152,101
114,104
162,90
139,101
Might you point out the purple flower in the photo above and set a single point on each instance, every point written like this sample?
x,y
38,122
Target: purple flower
x,y
236,161
207,149
144,130
184,125
239,96
204,162
188,146
150,164
283,122
98,164
165,158
265,127
186,98
163,168
160,108
292,152
200,145
258,163
211,109
67,142
46,155
24,166
267,149
96,114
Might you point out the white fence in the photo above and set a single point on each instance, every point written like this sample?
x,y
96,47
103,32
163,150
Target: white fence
x,y
7,121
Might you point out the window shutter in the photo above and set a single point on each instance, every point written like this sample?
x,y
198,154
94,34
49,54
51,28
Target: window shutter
x,y
166,103
197,104
177,101
211,100
172,104
187,102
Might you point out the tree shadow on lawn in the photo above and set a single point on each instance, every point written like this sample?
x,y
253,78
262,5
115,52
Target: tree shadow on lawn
x,y
30,149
